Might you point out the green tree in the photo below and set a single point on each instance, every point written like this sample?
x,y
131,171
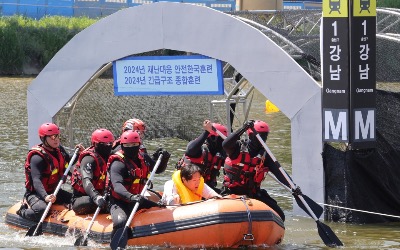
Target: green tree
x,y
388,3
29,42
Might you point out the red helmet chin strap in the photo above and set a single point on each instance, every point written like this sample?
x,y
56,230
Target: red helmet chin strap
x,y
45,143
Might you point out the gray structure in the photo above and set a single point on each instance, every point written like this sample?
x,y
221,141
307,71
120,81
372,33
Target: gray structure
x,y
201,30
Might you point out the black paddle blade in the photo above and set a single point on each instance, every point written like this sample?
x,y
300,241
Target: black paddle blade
x,y
31,231
328,236
81,241
315,207
120,239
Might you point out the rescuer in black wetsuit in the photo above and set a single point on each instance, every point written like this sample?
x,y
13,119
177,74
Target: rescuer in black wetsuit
x,y
129,170
247,163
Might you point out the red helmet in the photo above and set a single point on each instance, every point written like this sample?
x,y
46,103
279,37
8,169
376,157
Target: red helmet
x,y
130,137
260,126
219,127
134,124
48,129
102,135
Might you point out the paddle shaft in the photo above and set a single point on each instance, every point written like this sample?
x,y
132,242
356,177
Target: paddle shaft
x,y
325,232
92,221
292,185
135,208
57,189
219,132
83,242
268,151
270,154
276,179
317,208
143,191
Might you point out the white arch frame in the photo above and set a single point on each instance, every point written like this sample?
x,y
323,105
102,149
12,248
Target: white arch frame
x,y
197,29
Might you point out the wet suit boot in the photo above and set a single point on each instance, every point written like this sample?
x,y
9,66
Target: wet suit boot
x,y
22,209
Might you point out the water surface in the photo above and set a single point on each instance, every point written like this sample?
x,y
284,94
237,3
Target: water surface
x,y
301,232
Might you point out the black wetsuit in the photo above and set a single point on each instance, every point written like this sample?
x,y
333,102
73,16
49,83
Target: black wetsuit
x,y
120,209
36,198
232,146
195,149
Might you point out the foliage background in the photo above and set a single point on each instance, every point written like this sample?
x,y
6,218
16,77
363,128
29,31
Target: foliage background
x,y
27,45
388,3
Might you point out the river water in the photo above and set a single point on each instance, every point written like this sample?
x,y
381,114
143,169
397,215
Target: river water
x,y
301,232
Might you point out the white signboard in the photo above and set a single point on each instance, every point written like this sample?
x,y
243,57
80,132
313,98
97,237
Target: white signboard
x,y
168,75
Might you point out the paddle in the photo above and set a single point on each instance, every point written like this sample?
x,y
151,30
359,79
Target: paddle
x,y
37,229
325,232
83,239
120,238
317,209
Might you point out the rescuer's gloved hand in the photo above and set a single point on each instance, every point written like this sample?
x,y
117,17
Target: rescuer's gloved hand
x,y
100,201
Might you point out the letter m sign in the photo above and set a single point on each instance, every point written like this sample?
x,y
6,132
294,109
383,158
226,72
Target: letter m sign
x,y
335,125
364,125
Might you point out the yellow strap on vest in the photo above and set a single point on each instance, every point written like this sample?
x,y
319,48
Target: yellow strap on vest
x,y
55,171
120,154
185,194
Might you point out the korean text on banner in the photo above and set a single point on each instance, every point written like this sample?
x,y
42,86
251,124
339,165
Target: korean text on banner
x,y
168,75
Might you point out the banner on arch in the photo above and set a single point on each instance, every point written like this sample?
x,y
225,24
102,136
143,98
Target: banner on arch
x,y
168,75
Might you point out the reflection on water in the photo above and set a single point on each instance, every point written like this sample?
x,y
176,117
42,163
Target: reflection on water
x,y
301,233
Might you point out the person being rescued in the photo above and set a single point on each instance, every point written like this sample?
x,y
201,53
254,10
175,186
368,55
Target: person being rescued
x,y
247,163
89,176
129,169
187,185
44,168
206,151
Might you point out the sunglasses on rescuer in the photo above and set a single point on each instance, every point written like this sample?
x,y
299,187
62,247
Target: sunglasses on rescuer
x,y
53,137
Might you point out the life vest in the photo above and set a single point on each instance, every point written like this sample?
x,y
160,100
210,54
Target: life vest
x,y
212,164
137,175
209,164
245,171
54,170
99,172
185,194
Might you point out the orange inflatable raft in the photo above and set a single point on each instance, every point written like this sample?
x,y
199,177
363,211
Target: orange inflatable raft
x,y
232,221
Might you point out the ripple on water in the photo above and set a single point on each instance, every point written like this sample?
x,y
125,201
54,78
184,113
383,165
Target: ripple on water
x,y
301,232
